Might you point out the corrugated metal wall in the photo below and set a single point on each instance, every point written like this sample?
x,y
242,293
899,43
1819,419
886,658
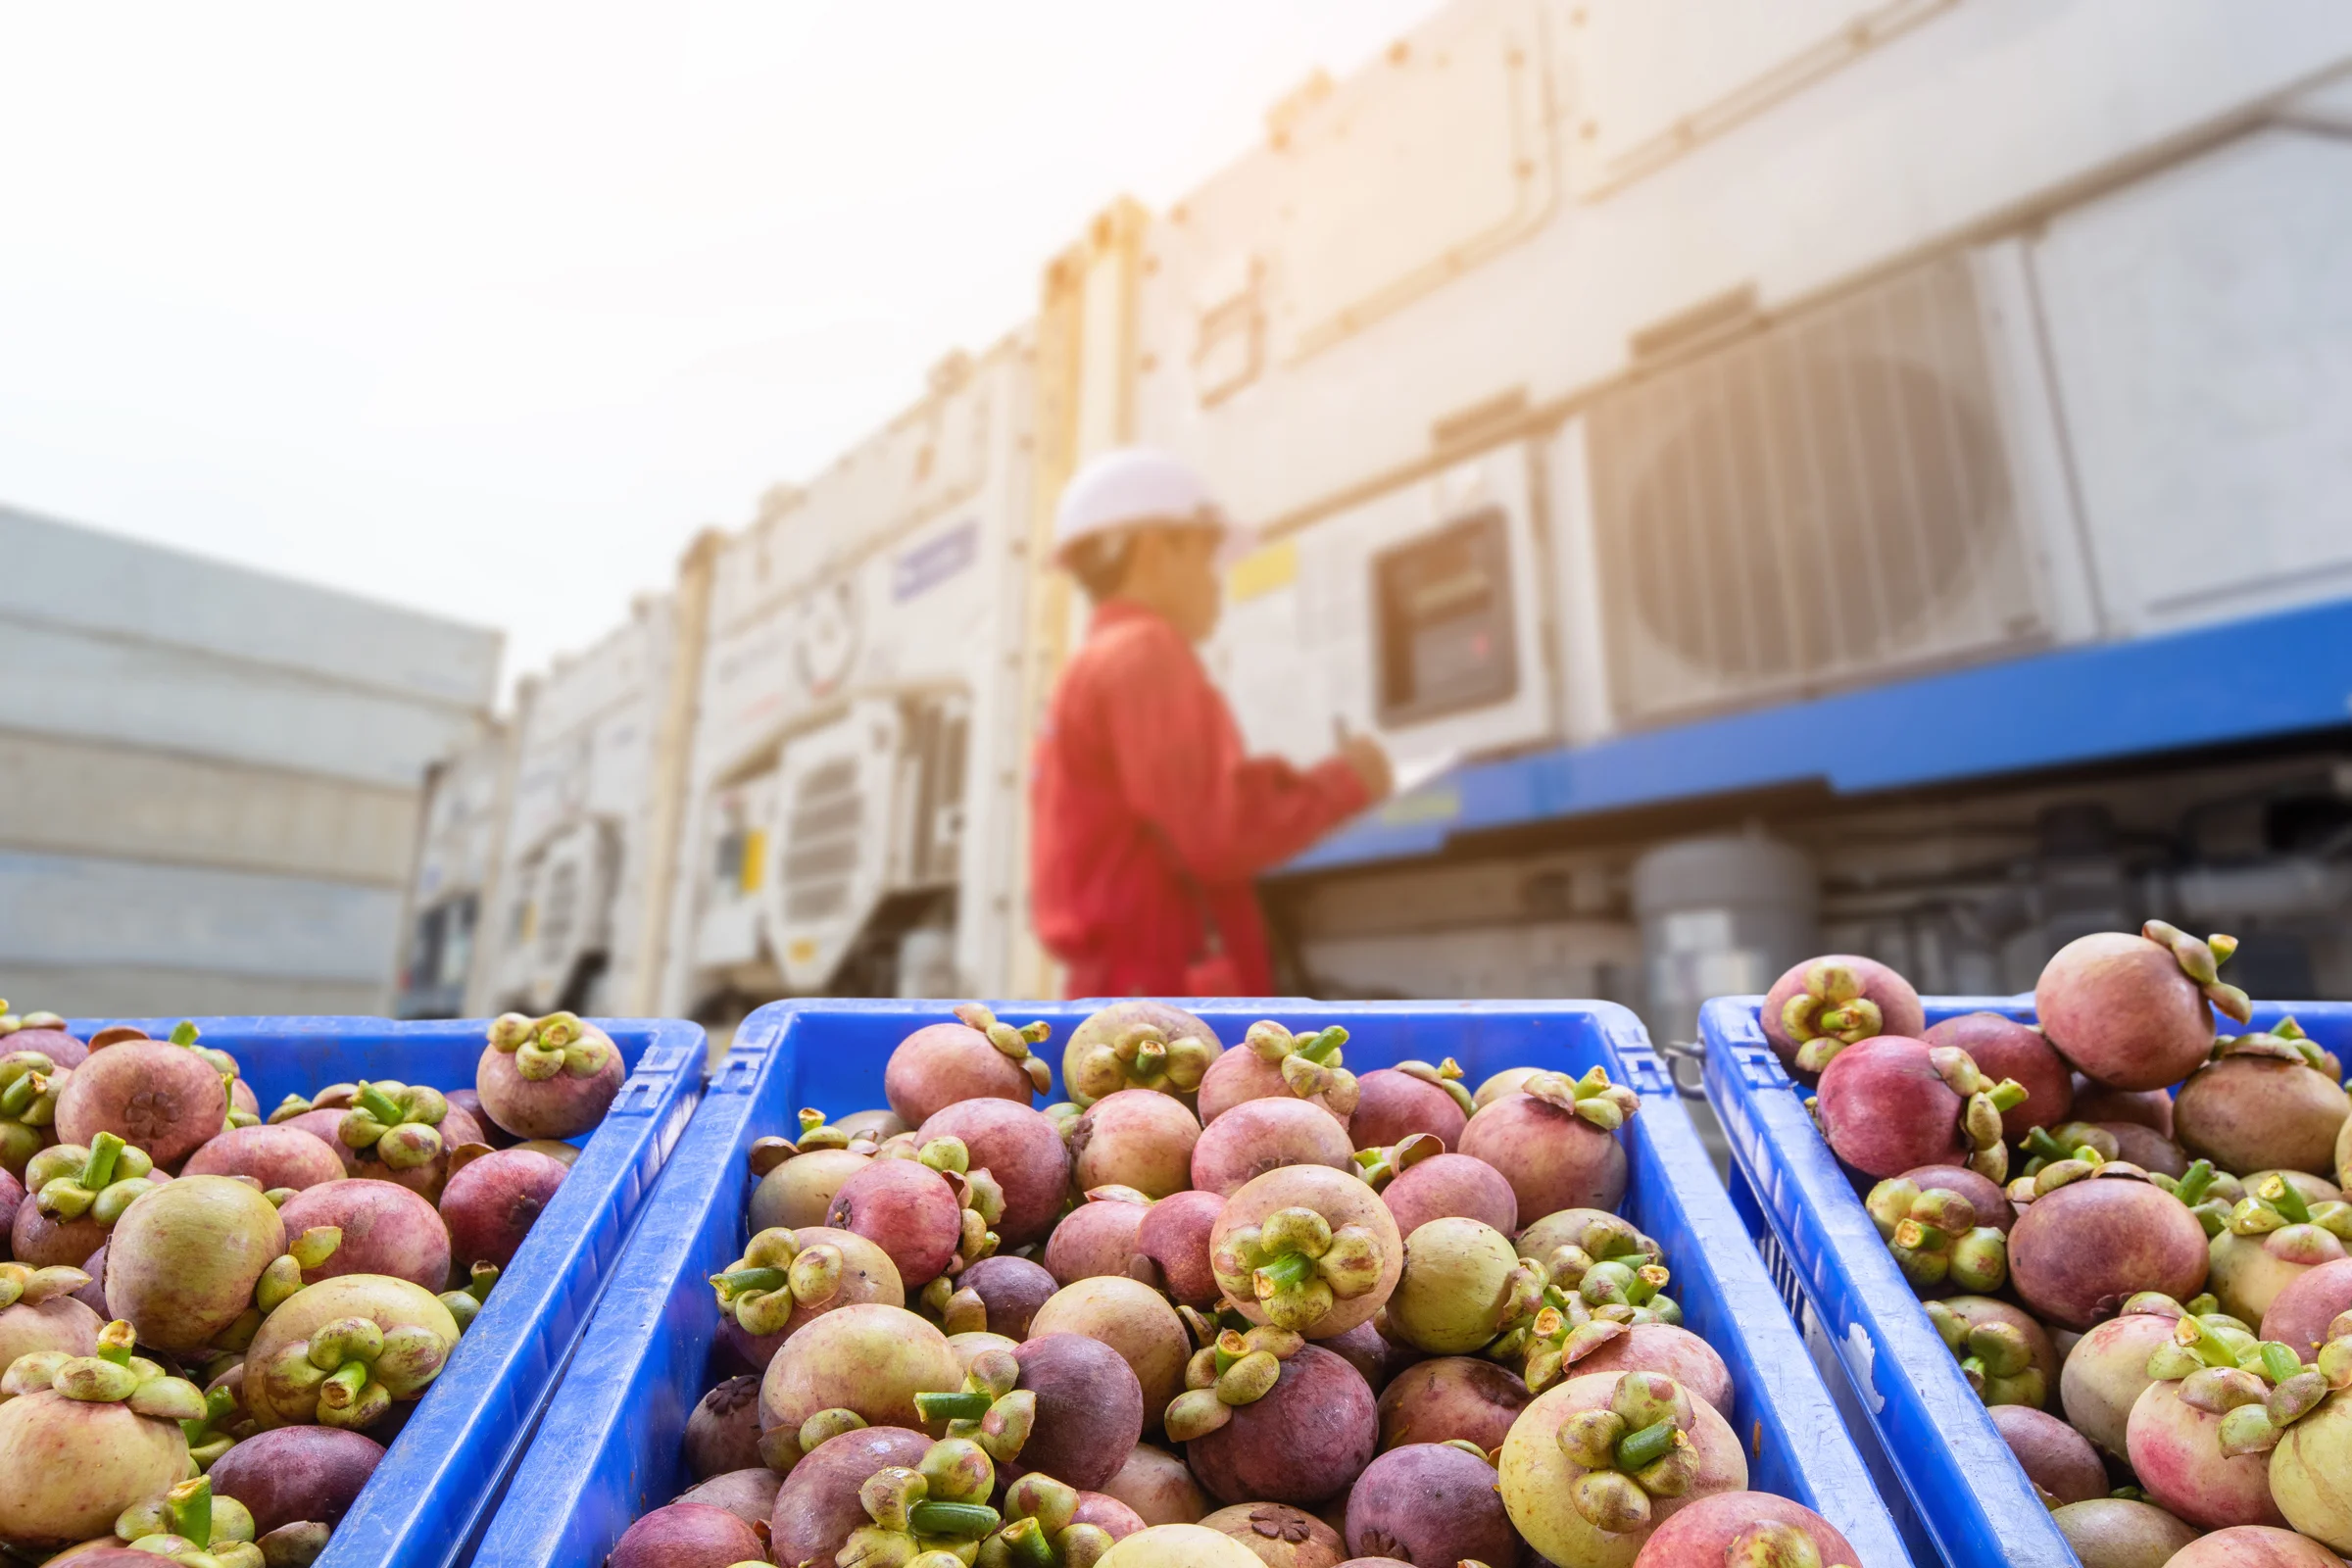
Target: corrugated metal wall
x,y
209,777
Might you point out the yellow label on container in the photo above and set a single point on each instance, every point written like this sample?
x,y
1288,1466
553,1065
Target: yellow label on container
x,y
801,953
751,874
1261,572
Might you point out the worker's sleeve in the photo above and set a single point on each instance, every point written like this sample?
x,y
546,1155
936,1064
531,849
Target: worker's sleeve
x,y
1182,769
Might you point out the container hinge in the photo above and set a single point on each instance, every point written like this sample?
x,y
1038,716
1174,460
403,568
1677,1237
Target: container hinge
x,y
738,1071
1761,1067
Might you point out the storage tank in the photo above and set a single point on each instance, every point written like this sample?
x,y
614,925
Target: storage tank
x,y
1721,915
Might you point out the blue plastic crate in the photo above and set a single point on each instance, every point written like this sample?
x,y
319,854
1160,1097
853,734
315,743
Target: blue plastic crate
x,y
433,1494
1943,1464
608,1448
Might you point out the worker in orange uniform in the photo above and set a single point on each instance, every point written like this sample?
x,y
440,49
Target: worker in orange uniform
x,y
1148,820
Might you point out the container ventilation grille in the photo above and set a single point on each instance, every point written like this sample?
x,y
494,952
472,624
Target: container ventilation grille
x,y
821,857
1817,505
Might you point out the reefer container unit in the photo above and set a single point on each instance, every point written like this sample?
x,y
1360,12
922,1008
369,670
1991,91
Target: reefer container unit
x,y
210,778
1877,456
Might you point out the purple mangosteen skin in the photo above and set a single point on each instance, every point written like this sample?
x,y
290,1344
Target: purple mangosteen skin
x,y
2175,1449
1108,1514
1700,1535
1023,1149
1304,1443
944,1062
2299,1314
749,1494
387,1229
561,1106
687,1535
2077,1253
1885,1110
274,1157
1094,1239
1454,1396
1376,1359
905,1208
322,1125
1258,1136
2119,1008
1427,1502
2002,1048
12,1195
1899,1010
162,1098
2245,1112
1451,1187
1089,1410
1553,1159
1174,1235
724,1432
491,1203
1012,1289
2059,1459
2253,1546
58,1047
2105,1374
2094,1102
40,1242
817,1507
1394,1106
1991,1204
470,1103
288,1474
2143,1146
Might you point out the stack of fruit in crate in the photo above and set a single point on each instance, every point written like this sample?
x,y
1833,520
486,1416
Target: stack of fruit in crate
x,y
1221,1307
166,1240
2123,1217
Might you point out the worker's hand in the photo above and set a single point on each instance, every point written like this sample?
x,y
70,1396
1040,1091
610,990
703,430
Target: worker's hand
x,y
1371,763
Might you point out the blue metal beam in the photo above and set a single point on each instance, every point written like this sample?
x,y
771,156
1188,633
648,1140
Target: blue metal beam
x,y
2245,680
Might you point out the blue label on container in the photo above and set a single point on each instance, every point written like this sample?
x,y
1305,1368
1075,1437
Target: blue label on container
x,y
935,560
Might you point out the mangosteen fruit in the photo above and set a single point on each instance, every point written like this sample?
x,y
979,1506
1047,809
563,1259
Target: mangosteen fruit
x,y
2107,1370
385,1228
1555,1141
1460,1285
2136,1012
1824,1004
1174,1235
2005,1354
2300,1313
1428,1503
1392,1103
2253,1546
1745,1530
1009,1291
1307,1248
2120,1533
83,1438
1597,1464
2059,1460
1134,1137
1179,1547
1279,1536
1271,1062
973,1057
551,1077
274,1157
1268,1417
182,1261
1453,1399
1258,1136
1098,1236
749,1494
871,1359
490,1204
157,1095
816,1508
1023,1149
2004,1049
290,1474
343,1351
686,1535
1157,1487
1447,1185
724,1432
1133,1319
2263,1100
2094,1235
1889,1103
1137,1045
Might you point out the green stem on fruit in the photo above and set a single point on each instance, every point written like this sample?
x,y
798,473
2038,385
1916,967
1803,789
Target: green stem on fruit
x,y
116,1341
967,1406
963,1521
1286,1271
1319,1047
188,1510
2192,1333
743,1281
2278,1361
1025,1540
99,1168
2194,1183
1637,1449
377,1103
2287,1199
2007,1095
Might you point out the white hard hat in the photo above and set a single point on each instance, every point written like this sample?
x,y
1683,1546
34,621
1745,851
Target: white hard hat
x,y
1129,486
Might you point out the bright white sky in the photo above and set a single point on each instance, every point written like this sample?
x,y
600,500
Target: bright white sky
x,y
485,309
